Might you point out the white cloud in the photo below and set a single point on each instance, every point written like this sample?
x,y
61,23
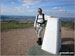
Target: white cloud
x,y
54,7
19,9
58,8
28,3
61,10
55,10
58,12
12,2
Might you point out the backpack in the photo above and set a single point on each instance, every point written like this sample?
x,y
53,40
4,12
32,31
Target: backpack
x,y
44,21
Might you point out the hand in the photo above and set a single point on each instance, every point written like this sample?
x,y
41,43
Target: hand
x,y
35,28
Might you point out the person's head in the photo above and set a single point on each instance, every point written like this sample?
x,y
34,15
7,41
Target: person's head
x,y
39,10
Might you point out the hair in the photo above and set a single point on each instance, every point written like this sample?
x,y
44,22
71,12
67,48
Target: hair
x,y
40,9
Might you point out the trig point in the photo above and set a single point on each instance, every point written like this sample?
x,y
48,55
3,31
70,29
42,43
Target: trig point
x,y
52,36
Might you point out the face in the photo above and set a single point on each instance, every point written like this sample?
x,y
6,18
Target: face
x,y
39,11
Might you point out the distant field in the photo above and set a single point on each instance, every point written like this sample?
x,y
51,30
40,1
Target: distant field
x,y
7,26
69,25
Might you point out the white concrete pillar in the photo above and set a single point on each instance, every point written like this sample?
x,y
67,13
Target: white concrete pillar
x,y
52,36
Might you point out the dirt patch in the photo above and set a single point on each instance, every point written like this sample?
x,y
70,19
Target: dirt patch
x,y
18,41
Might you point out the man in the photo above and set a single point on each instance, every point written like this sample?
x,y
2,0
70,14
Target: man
x,y
39,24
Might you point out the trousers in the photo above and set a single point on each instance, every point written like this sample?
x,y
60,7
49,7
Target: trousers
x,y
39,31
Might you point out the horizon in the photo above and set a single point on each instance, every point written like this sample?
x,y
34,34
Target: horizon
x,y
35,16
56,8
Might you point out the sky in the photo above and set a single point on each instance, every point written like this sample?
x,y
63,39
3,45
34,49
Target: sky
x,y
58,8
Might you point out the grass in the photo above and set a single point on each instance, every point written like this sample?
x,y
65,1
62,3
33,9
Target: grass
x,y
68,26
6,26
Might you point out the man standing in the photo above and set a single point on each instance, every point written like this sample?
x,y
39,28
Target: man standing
x,y
39,24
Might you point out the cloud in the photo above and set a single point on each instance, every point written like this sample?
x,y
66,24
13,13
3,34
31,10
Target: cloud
x,y
55,10
37,0
21,8
18,8
58,12
58,8
29,3
12,2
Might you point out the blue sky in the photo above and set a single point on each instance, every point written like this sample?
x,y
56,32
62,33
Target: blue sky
x,y
58,8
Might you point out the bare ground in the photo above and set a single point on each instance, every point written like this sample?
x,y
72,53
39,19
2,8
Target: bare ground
x,y
18,41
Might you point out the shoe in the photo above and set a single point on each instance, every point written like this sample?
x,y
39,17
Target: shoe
x,y
39,41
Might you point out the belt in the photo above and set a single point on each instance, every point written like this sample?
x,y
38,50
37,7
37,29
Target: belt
x,y
41,24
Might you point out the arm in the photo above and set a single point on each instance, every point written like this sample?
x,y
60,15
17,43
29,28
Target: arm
x,y
35,22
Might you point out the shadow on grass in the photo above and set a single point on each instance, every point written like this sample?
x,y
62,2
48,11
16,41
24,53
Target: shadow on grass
x,y
68,46
67,49
67,39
